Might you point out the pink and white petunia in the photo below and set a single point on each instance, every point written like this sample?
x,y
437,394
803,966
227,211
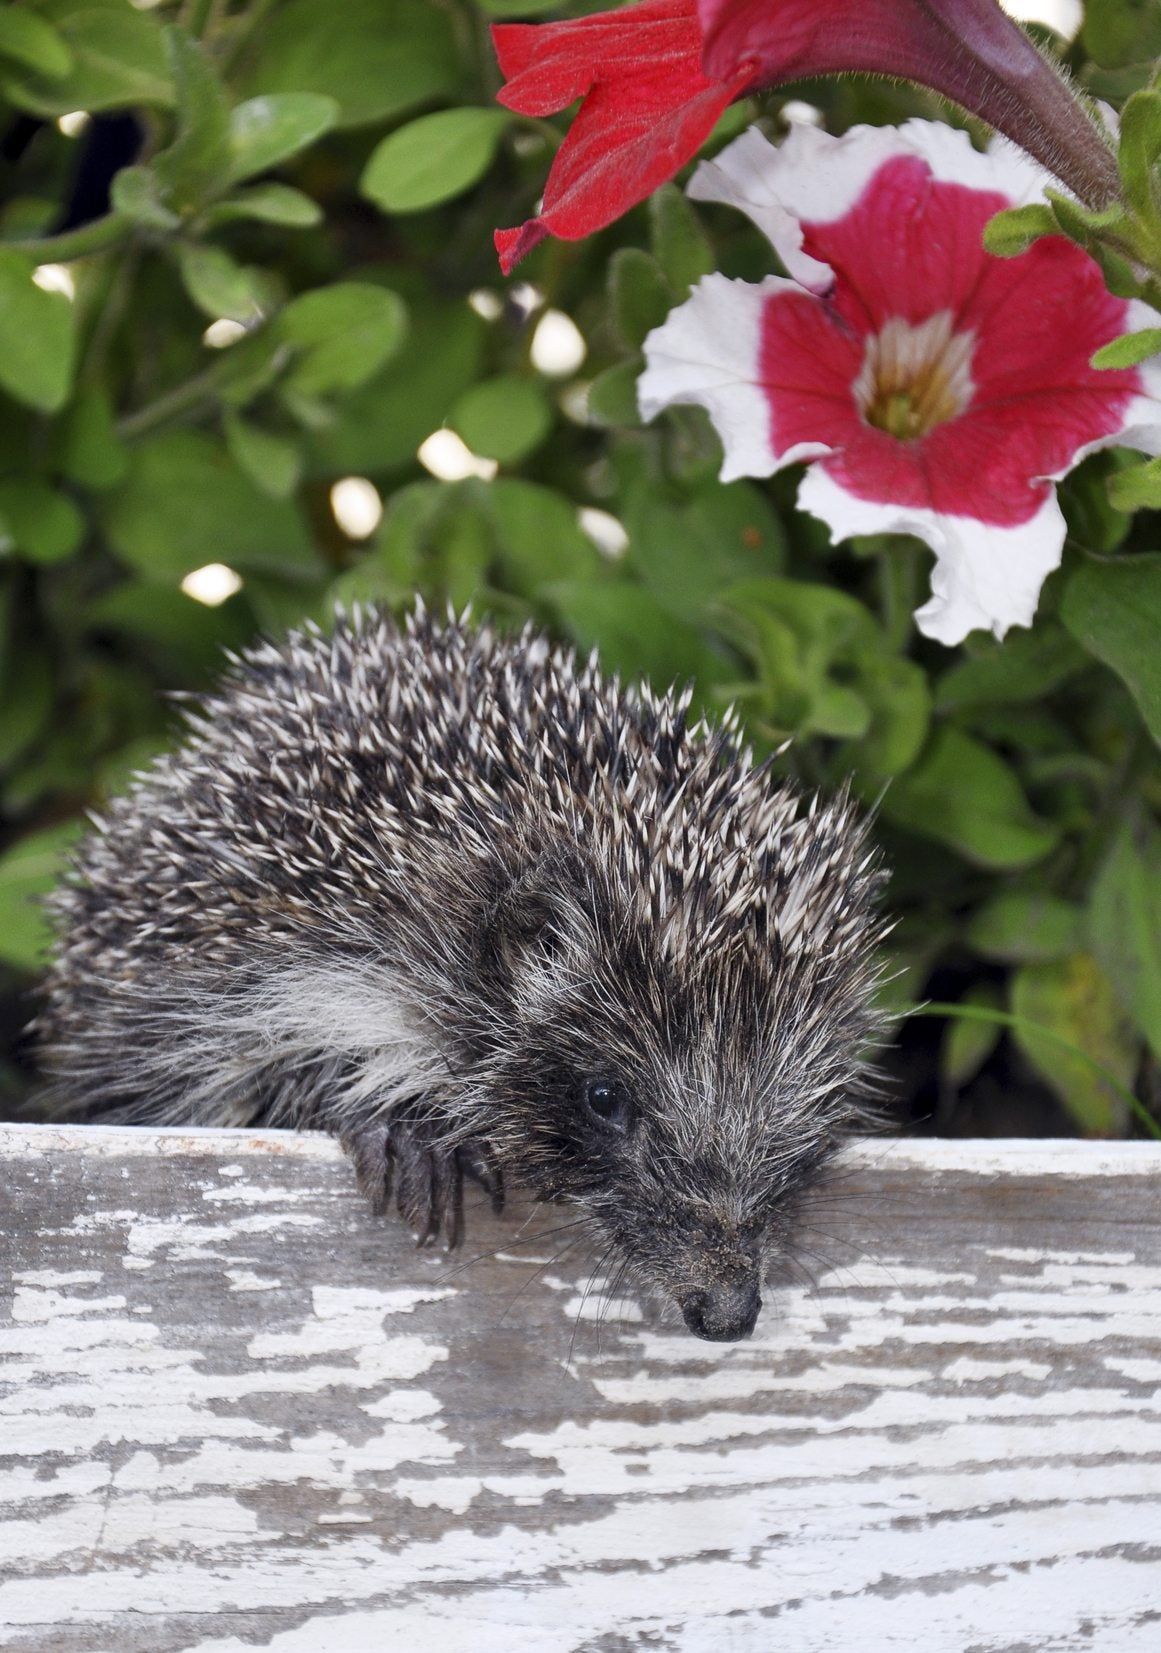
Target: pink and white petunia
x,y
932,388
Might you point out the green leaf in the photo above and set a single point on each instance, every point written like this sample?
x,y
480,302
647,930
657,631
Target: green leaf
x,y
1083,225
136,193
680,245
640,298
1139,150
1124,1097
382,424
612,397
26,693
1091,519
1120,276
1124,921
1130,349
184,638
37,338
1013,231
218,285
118,60
1136,487
826,667
86,447
503,418
414,548
635,635
962,794
273,463
381,58
1072,999
432,159
249,367
193,168
1025,927
897,693
33,43
344,333
1111,608
538,537
265,204
185,503
967,1043
687,550
28,870
1026,666
1117,32
44,525
265,131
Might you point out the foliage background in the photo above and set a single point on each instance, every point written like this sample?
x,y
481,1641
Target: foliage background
x,y
326,178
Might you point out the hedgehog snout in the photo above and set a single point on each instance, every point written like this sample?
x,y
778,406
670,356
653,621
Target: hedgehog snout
x,y
721,1300
723,1313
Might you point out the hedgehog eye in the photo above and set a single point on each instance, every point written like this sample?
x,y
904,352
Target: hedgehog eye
x,y
609,1103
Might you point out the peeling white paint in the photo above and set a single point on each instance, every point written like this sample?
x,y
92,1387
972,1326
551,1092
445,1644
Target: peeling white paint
x,y
57,1277
244,1279
32,1305
445,1492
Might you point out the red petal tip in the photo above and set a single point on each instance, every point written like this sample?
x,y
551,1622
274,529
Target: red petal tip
x,y
512,245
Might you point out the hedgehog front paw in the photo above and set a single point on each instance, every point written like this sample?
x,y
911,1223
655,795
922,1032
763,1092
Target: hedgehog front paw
x,y
426,1177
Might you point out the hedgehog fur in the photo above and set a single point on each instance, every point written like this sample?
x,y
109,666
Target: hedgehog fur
x,y
477,910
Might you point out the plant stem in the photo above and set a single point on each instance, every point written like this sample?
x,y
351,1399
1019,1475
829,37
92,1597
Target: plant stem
x,y
95,237
181,399
240,31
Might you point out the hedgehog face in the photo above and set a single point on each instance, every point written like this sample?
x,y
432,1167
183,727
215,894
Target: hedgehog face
x,y
690,1167
677,1112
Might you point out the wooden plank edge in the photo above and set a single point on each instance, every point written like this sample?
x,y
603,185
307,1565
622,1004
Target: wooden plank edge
x,y
968,1156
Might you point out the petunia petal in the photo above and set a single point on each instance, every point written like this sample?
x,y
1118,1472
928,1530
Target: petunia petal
x,y
746,174
647,109
985,578
814,178
709,351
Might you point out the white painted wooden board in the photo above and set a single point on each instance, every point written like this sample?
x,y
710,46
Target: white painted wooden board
x,y
237,1412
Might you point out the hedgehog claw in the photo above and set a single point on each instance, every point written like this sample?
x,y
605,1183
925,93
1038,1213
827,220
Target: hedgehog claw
x,y
478,1161
428,1182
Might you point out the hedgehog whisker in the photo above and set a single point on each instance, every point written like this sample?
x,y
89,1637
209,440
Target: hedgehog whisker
x,y
508,1244
536,1274
594,1275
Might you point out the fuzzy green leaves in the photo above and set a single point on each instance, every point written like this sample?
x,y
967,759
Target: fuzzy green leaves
x,y
265,131
825,667
342,334
964,795
37,340
375,58
1113,608
82,54
433,159
185,503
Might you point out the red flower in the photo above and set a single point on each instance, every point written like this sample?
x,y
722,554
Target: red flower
x,y
929,387
655,76
647,109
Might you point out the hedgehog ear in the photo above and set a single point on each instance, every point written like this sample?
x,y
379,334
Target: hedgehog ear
x,y
540,921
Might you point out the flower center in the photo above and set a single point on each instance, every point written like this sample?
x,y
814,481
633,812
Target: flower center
x,y
915,377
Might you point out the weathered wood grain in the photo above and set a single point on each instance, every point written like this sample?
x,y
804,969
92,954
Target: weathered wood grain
x,y
237,1412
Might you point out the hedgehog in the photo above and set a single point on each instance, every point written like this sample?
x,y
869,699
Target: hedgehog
x,y
481,912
